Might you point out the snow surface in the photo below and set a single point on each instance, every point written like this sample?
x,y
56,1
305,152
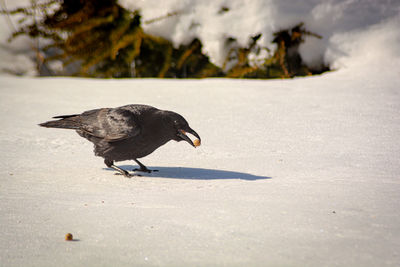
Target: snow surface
x,y
300,172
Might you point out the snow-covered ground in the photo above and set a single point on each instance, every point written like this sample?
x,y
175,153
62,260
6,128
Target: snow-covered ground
x,y
301,172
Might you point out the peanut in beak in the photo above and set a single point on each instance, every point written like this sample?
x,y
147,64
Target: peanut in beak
x,y
196,142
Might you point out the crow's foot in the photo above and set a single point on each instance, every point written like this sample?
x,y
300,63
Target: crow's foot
x,y
143,168
120,171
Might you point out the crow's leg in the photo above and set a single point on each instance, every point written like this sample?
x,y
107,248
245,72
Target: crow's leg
x,y
143,168
110,164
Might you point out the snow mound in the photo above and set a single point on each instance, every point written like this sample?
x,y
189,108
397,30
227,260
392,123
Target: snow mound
x,y
342,23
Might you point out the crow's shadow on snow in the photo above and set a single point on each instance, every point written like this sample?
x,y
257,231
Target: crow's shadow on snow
x,y
193,173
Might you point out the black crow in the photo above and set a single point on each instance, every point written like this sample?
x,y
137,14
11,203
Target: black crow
x,y
127,132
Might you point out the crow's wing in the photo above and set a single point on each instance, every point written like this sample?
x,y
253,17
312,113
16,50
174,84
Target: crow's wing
x,y
110,124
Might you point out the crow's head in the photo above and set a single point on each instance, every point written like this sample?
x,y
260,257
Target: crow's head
x,y
179,128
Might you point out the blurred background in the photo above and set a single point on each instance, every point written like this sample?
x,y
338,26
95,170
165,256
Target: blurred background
x,y
192,39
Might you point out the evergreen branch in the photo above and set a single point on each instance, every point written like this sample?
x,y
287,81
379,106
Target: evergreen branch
x,y
187,53
134,38
169,14
90,24
167,63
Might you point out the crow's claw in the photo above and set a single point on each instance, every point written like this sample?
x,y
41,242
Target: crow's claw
x,y
127,174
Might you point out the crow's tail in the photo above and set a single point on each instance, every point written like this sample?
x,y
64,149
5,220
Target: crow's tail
x,y
66,122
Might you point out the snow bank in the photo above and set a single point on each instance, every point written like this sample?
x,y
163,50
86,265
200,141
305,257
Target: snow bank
x,y
375,48
349,22
352,30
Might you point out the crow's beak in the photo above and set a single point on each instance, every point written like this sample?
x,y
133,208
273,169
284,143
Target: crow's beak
x,y
182,134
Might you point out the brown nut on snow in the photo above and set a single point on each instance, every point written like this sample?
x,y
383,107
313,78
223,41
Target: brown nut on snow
x,y
69,237
196,142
